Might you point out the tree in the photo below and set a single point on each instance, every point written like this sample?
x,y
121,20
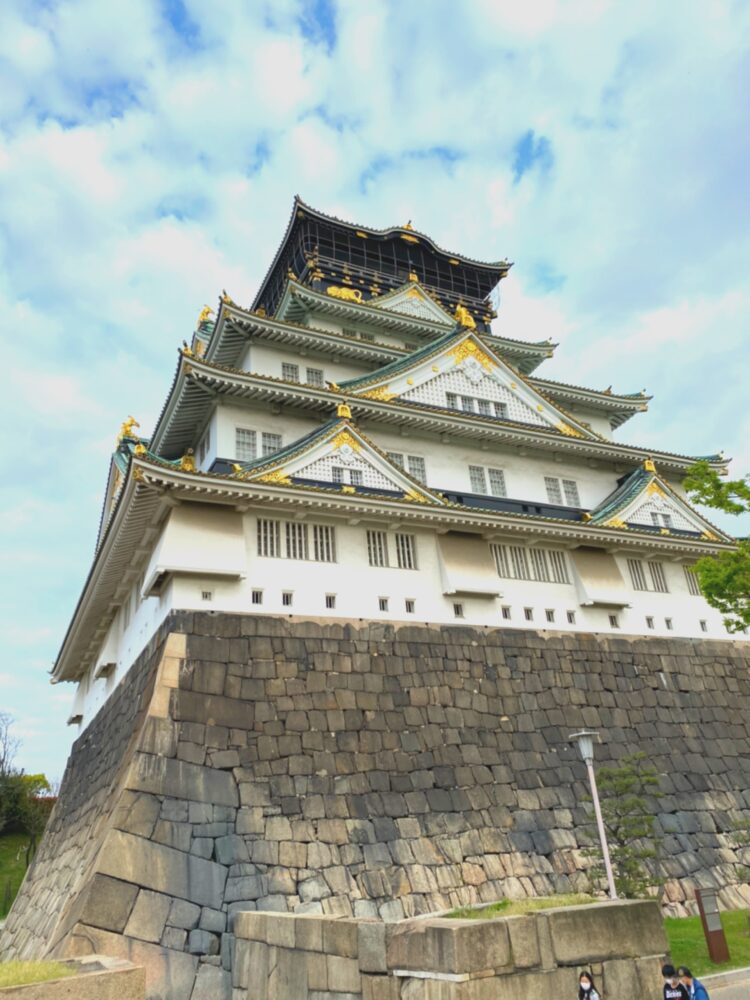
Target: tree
x,y
724,578
24,798
628,817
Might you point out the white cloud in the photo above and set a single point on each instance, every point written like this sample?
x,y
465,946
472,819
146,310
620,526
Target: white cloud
x,y
142,171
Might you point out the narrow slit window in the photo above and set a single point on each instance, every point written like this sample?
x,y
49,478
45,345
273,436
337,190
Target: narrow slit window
x,y
409,605
505,610
614,621
257,597
330,601
528,614
704,625
571,617
383,603
458,610
207,595
550,613
668,624
287,598
649,621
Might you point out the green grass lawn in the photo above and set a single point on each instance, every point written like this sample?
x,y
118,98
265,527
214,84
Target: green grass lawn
x,y
688,945
12,866
23,973
512,907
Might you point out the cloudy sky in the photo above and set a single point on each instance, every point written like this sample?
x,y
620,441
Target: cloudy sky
x,y
149,153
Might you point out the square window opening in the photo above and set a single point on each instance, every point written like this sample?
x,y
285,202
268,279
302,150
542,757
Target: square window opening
x,y
286,598
571,618
257,597
458,610
550,613
528,614
704,625
207,595
409,604
330,601
506,611
649,621
668,624
383,603
614,621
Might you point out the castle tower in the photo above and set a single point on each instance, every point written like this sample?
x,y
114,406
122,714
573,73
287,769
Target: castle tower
x,y
348,599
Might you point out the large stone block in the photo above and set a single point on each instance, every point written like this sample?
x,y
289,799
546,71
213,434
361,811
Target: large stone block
x,y
108,903
163,869
214,710
149,916
182,780
598,932
449,946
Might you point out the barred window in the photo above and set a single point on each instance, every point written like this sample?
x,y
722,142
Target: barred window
x,y
296,540
377,548
501,410
367,337
661,520
324,543
406,554
271,444
269,537
338,474
417,467
467,404
355,477
648,576
477,480
244,444
289,372
658,578
396,457
451,400
557,488
479,477
543,565
314,376
554,494
693,585
485,407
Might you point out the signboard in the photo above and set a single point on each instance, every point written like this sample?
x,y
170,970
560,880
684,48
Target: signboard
x,y
708,907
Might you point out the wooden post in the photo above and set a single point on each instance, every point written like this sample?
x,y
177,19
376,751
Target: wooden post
x,y
708,907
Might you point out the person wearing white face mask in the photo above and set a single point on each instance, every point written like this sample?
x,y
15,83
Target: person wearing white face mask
x,y
586,988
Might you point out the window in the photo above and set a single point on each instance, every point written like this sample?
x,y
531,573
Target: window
x,y
410,347
505,612
647,576
556,488
661,520
458,610
377,548
324,543
703,625
517,563
501,410
613,621
271,444
528,614
330,601
571,617
550,613
257,597
451,400
244,444
470,404
368,337
269,537
286,598
409,604
314,376
467,403
691,580
668,623
383,603
406,555
480,477
296,539
649,621
485,407
353,477
290,372
415,464
207,595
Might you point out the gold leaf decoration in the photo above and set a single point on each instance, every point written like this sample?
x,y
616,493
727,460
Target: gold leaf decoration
x,y
382,393
344,437
468,349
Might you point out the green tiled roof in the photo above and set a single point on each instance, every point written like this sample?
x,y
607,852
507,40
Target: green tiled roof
x,y
629,488
401,363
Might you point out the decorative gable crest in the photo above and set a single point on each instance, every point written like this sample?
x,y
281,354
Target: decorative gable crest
x,y
338,456
412,300
461,372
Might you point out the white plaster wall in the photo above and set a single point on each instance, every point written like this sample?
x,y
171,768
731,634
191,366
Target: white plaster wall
x,y
264,359
358,587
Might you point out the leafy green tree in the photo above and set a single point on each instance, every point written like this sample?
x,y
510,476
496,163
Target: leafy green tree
x,y
626,793
25,800
724,578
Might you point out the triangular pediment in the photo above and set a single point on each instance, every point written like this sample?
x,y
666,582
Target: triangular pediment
x,y
645,500
339,457
412,300
461,372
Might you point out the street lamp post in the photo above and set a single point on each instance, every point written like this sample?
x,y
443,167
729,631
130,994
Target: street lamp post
x,y
585,740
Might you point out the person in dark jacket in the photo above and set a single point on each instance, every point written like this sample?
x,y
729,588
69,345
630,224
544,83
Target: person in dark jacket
x,y
696,989
673,988
586,988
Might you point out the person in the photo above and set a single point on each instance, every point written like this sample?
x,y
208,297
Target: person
x,y
696,989
586,988
673,988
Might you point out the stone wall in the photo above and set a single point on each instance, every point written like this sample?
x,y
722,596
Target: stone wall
x,y
367,770
298,957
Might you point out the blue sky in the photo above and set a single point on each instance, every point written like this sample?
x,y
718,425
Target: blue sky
x,y
149,153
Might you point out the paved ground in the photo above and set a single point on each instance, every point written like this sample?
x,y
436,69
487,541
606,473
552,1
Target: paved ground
x,y
740,991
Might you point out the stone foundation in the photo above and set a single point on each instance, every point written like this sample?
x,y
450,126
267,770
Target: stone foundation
x,y
369,771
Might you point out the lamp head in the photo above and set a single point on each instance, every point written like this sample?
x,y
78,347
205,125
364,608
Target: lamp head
x,y
585,741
